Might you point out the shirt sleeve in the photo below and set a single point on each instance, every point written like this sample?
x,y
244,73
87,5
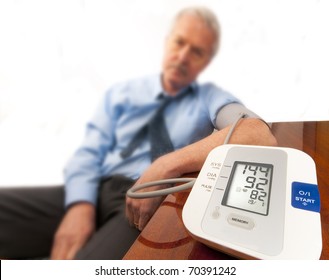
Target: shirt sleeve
x,y
82,174
215,99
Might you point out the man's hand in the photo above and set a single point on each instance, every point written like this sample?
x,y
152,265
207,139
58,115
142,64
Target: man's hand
x,y
75,229
140,211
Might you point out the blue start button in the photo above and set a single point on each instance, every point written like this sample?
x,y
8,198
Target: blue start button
x,y
305,196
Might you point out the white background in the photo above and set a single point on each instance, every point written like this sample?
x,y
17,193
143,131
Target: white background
x,y
57,58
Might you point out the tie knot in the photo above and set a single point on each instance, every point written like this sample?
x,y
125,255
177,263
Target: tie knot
x,y
164,100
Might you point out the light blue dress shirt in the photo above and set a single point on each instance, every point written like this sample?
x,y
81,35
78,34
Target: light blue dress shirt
x,y
124,109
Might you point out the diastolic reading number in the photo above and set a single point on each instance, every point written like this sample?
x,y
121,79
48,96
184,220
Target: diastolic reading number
x,y
207,270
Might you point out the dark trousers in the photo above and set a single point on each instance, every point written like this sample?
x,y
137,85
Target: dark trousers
x,y
29,218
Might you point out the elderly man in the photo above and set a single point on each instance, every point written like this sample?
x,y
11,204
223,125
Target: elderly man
x,y
98,221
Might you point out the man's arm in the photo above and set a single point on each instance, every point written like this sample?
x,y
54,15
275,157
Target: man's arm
x,y
82,177
190,159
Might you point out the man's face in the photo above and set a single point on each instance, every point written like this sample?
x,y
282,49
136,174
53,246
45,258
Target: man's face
x,y
188,51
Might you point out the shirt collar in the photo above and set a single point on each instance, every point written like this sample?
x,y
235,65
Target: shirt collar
x,y
158,89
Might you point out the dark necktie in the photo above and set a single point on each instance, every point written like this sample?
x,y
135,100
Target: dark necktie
x,y
158,134
156,130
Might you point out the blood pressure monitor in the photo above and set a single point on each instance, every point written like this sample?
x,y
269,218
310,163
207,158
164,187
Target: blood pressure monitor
x,y
256,202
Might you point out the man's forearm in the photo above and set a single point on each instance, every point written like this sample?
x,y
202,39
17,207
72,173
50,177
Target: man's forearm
x,y
191,158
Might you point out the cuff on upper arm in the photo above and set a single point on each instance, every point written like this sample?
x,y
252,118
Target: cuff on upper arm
x,y
229,113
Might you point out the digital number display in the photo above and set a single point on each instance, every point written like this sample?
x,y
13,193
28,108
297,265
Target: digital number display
x,y
249,187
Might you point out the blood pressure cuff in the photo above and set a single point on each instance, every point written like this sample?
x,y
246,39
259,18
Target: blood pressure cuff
x,y
229,113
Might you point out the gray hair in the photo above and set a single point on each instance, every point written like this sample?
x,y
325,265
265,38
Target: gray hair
x,y
208,17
